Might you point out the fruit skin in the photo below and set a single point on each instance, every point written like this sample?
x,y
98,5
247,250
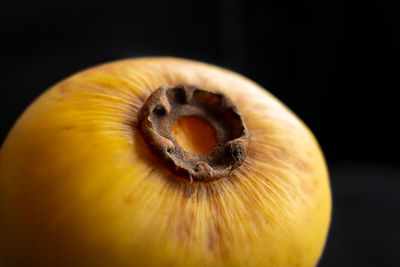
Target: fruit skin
x,y
79,187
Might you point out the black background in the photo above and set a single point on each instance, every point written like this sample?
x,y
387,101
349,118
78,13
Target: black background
x,y
335,63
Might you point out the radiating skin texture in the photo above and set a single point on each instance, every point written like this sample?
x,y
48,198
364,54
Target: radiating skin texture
x,y
79,187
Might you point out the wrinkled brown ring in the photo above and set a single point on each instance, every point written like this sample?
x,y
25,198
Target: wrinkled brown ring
x,y
167,105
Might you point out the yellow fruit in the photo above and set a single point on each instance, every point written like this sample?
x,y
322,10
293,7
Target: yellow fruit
x,y
79,185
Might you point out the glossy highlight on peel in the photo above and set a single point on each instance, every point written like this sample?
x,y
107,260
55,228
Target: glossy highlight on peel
x,y
79,185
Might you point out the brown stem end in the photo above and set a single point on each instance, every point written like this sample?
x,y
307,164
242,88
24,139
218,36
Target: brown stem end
x,y
167,105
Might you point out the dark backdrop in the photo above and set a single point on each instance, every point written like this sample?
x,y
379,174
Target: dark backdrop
x,y
335,63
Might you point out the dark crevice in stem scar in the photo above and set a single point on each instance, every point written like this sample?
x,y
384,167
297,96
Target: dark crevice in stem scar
x,y
167,105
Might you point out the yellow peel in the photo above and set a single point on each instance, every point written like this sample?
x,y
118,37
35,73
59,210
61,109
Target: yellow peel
x,y
79,187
